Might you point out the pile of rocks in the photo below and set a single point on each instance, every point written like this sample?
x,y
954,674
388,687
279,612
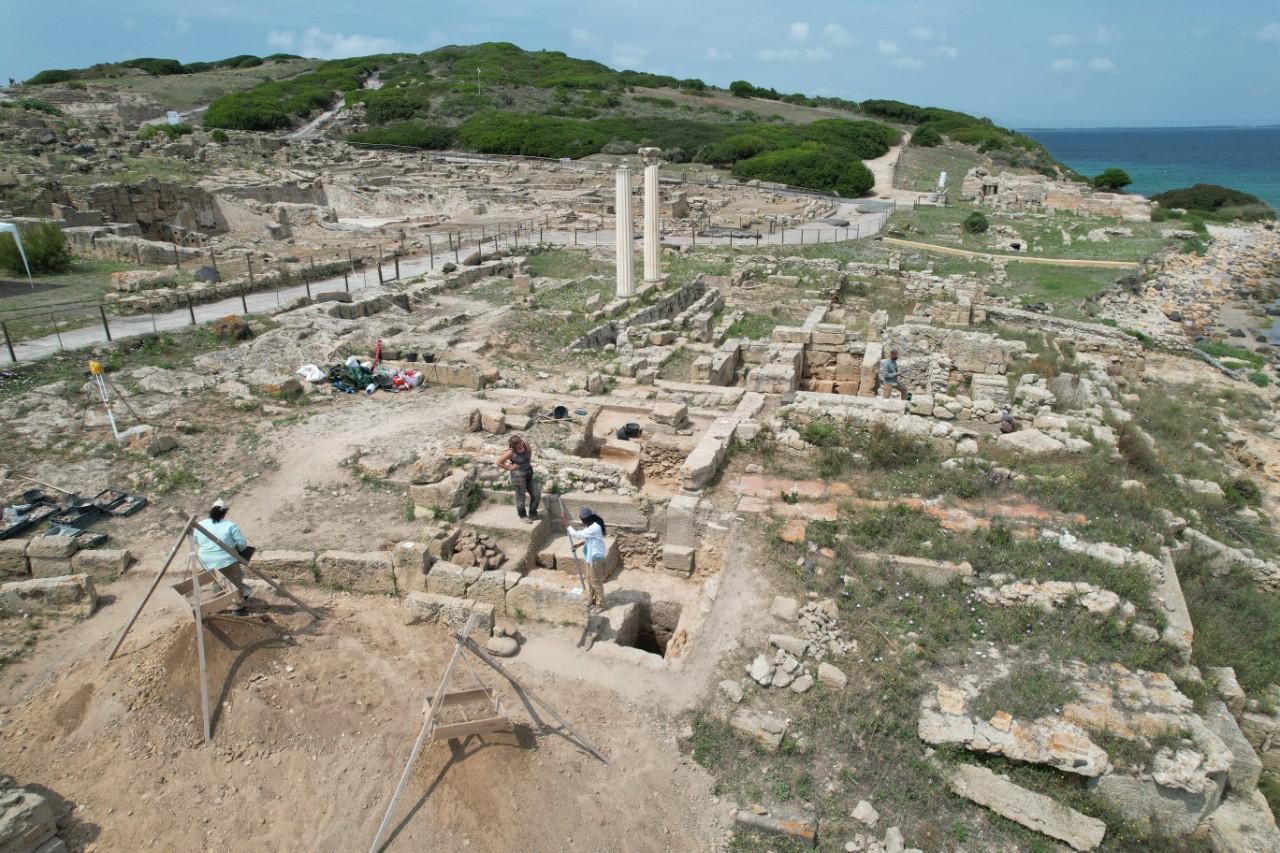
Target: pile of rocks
x,y
27,821
819,620
474,548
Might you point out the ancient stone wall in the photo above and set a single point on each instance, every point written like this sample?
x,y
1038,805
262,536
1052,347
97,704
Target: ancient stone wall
x,y
156,208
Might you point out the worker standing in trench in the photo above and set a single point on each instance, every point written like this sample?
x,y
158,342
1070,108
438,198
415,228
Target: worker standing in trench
x,y
518,461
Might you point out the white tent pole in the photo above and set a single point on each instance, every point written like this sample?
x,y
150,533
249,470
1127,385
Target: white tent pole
x,y
17,238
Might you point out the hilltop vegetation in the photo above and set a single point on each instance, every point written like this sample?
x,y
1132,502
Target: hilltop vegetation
x,y
150,66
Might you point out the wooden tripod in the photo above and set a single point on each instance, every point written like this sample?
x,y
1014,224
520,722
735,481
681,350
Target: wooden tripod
x,y
193,590
499,722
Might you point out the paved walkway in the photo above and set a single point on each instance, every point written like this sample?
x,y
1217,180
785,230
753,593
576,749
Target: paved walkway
x,y
861,225
1022,259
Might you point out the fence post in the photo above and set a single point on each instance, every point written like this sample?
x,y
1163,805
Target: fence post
x,y
379,263
248,260
244,303
177,259
8,342
191,308
57,331
431,252
105,327
575,236
455,249
213,260
397,267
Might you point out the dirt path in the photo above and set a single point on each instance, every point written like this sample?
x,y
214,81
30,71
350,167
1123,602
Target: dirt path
x,y
1068,262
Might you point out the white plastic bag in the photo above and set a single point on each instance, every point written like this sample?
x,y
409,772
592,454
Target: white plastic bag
x,y
311,373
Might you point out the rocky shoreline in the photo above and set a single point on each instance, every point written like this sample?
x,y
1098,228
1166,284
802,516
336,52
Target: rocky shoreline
x,y
1224,293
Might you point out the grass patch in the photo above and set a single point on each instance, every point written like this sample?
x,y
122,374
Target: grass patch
x,y
1030,691
753,326
1237,623
1223,349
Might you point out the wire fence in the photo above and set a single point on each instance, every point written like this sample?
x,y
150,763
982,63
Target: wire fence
x,y
238,285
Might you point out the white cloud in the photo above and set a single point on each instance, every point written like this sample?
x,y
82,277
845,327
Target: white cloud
x,y
627,55
1107,35
1101,63
1271,32
718,55
947,51
888,48
792,54
922,33
1064,66
906,62
1063,40
838,35
581,37
800,31
321,45
184,26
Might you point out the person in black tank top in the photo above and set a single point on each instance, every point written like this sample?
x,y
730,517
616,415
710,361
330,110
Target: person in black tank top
x,y
518,461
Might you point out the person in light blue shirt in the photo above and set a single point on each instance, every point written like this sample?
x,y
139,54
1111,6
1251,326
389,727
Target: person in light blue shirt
x,y
892,381
591,537
213,557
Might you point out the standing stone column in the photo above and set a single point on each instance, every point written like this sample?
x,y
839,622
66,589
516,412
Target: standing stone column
x,y
652,244
625,258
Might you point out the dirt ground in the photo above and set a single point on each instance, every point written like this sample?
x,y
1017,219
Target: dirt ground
x,y
314,720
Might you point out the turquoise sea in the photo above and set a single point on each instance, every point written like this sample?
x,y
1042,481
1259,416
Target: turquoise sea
x,y
1166,158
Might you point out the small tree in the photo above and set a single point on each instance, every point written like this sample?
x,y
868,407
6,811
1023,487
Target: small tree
x,y
742,89
1112,180
976,223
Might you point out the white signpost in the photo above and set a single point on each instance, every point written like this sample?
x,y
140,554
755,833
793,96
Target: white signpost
x,y
173,117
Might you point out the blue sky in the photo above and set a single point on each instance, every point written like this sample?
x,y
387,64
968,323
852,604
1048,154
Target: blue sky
x,y
1088,63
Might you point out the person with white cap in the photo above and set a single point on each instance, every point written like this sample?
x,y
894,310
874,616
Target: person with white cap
x,y
591,537
212,557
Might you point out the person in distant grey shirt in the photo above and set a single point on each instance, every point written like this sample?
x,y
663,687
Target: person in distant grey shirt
x,y
889,374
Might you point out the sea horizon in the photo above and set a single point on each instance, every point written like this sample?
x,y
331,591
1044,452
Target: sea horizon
x,y
1240,157
1267,126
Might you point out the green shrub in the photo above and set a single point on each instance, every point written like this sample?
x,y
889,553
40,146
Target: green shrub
x,y
1135,449
45,246
821,169
926,137
33,104
408,134
173,131
1242,492
1257,377
53,75
975,223
220,136
156,67
1211,198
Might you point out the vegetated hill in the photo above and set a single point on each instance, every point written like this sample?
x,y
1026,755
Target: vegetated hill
x,y
1210,201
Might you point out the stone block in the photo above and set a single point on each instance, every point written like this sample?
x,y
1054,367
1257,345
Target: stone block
x,y
1227,687
1034,811
101,563
701,465
785,609
682,521
559,554
410,562
287,565
42,567
493,421
790,335
450,494
490,588
765,728
671,414
936,572
446,578
368,571
870,371
52,547
678,559
26,821
13,558
425,607
1246,767
832,676
72,595
620,625
620,512
546,601
1174,810
430,470
1244,825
